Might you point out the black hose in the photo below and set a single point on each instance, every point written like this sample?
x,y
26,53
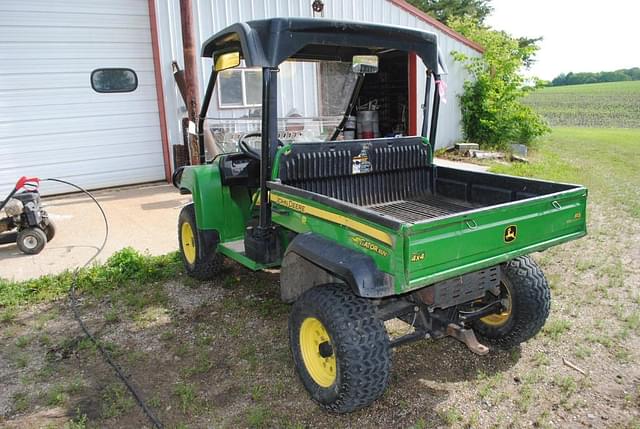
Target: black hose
x,y
73,300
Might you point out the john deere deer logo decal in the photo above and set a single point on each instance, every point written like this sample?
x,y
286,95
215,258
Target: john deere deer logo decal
x,y
510,233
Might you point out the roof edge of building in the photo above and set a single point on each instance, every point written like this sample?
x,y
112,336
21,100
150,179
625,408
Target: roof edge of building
x,y
437,24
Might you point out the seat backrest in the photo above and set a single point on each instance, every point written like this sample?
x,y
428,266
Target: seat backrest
x,y
363,172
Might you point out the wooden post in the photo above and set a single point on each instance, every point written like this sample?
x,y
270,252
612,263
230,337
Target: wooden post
x,y
190,55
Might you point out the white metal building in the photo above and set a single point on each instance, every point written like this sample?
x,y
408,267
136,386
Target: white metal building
x,y
87,90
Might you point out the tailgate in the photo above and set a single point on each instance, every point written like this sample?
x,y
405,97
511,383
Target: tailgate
x,y
469,241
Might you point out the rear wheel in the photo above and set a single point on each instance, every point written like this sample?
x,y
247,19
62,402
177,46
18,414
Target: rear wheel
x,y
31,240
340,348
526,299
202,264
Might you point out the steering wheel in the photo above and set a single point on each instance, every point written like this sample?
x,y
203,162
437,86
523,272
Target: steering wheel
x,y
248,150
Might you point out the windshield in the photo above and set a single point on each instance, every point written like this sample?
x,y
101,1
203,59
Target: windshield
x,y
312,99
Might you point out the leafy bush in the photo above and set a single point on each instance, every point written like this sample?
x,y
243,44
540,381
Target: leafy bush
x,y
492,112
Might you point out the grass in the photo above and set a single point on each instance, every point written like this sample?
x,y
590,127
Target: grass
x,y
8,315
488,386
420,424
202,365
606,105
126,267
116,400
602,339
186,394
21,360
542,421
56,395
632,321
582,352
525,398
258,417
556,328
450,416
79,422
112,316
540,359
23,341
20,402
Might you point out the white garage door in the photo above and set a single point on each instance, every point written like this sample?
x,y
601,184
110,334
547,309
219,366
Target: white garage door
x,y
53,123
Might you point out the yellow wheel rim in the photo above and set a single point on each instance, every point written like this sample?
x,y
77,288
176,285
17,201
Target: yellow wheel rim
x,y
499,319
317,352
188,243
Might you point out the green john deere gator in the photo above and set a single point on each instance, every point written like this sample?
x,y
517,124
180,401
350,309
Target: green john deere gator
x,y
366,229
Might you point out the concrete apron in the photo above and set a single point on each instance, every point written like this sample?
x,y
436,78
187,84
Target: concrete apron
x,y
143,217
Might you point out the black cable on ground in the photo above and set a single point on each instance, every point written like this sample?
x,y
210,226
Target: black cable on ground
x,y
73,300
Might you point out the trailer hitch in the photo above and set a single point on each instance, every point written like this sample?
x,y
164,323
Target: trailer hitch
x,y
468,337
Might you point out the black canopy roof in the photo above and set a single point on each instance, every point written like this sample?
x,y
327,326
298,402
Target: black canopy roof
x,y
269,42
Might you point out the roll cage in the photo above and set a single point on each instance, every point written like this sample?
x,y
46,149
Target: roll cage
x,y
267,43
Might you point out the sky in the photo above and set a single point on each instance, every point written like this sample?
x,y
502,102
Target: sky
x,y
579,35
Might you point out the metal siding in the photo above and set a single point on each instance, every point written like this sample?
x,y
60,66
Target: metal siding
x,y
214,16
52,123
170,47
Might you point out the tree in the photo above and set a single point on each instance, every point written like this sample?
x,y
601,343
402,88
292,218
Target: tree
x,y
446,10
599,77
492,111
528,47
561,79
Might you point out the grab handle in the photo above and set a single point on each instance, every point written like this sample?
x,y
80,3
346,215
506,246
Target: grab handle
x,y
471,223
556,205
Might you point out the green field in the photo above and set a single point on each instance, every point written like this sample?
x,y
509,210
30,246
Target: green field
x,y
599,105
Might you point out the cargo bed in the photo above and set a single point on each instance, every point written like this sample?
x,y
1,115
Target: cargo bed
x,y
442,221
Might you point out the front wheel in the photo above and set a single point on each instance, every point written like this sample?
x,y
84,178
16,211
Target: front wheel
x,y
526,299
31,240
340,348
202,264
50,230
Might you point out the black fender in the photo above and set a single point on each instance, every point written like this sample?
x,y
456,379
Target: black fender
x,y
311,260
208,240
176,177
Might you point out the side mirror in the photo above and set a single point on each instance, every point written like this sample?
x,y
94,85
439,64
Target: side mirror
x,y
227,61
364,64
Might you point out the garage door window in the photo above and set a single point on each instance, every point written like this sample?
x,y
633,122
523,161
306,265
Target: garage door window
x,y
114,80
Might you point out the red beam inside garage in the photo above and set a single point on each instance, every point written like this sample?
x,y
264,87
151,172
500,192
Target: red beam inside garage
x,y
413,96
159,90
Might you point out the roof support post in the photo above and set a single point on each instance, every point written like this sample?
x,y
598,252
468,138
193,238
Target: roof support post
x,y
434,112
203,113
269,141
190,57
